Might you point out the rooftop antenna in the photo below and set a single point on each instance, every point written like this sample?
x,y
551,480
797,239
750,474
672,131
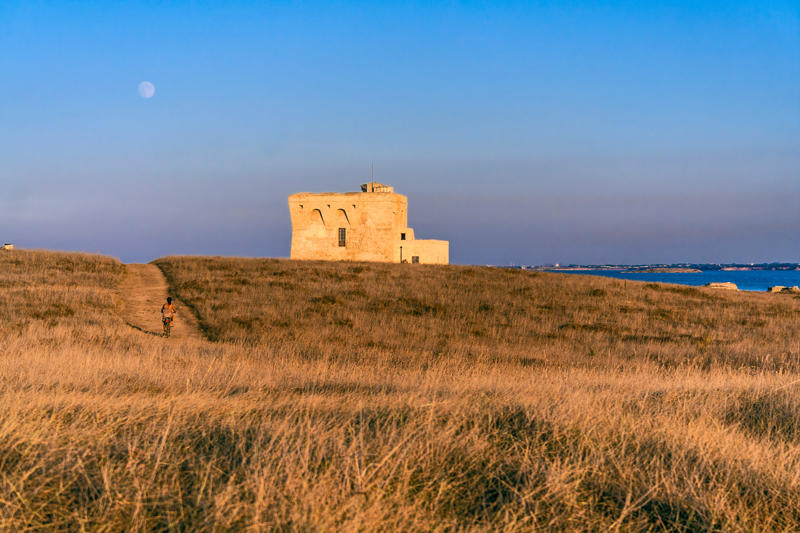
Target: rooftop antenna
x,y
372,176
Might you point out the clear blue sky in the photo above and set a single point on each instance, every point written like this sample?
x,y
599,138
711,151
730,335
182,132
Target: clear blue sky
x,y
526,132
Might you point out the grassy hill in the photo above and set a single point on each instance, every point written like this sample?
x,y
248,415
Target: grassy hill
x,y
412,316
365,396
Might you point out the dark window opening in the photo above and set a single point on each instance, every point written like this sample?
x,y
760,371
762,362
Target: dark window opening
x,y
402,236
342,237
415,259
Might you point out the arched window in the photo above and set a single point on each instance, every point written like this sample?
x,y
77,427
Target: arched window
x,y
342,220
316,218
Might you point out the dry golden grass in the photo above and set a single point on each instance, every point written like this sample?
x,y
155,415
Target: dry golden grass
x,y
362,396
417,315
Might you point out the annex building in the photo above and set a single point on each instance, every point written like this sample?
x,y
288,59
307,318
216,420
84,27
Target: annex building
x,y
371,225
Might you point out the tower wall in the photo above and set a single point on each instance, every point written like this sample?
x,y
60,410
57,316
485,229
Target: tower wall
x,y
370,221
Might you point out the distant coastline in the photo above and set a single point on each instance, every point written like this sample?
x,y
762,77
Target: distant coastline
x,y
675,268
755,277
664,270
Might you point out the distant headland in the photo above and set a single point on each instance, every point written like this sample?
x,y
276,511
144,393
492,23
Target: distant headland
x,y
749,277
676,268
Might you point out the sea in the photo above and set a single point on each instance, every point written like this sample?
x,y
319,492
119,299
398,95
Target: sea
x,y
746,280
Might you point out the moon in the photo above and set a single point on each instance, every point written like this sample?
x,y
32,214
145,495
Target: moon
x,y
147,89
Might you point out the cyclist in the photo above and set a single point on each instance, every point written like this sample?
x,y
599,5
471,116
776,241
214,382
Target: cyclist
x,y
167,315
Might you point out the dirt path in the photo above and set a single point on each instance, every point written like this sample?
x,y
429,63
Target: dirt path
x,y
142,292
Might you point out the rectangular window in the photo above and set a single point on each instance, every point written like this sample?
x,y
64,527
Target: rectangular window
x,y
402,236
342,236
415,259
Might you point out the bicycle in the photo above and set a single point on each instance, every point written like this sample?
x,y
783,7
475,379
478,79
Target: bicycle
x,y
167,323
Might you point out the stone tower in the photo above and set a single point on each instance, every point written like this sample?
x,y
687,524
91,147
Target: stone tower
x,y
371,225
